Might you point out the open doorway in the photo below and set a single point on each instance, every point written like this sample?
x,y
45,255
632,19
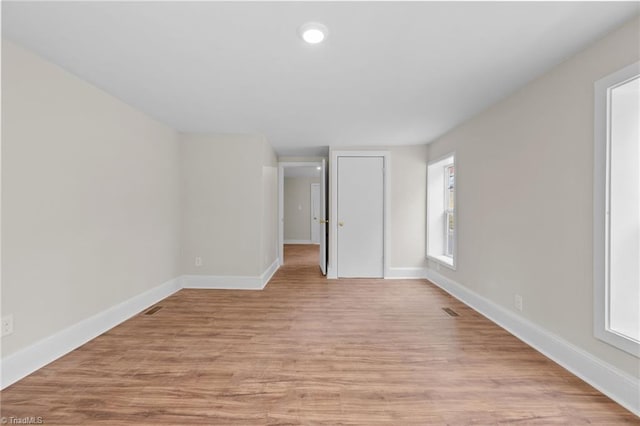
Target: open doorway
x,y
302,214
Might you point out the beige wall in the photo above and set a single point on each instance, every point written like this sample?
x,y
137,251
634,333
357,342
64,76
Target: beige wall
x,y
525,196
408,206
101,203
301,159
297,208
408,187
227,181
90,199
269,226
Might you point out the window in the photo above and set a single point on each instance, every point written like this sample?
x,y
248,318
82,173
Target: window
x,y
441,211
449,203
617,209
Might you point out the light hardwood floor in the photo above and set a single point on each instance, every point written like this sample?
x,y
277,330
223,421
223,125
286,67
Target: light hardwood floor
x,y
307,351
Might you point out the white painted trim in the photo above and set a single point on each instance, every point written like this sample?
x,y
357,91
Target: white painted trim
x,y
230,282
443,260
26,361
616,384
332,269
324,218
269,272
221,282
299,242
313,219
601,219
387,212
405,273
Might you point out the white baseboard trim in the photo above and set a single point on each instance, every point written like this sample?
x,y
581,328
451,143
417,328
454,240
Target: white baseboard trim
x,y
332,273
218,282
231,282
617,385
405,273
298,242
269,272
390,273
24,362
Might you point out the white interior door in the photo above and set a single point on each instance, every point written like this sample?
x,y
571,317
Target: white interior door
x,y
315,213
360,210
323,218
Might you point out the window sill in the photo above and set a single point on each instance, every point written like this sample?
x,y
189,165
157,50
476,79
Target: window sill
x,y
623,343
444,261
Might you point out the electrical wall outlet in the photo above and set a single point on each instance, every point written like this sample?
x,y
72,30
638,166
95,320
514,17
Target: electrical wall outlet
x,y
198,261
518,302
7,325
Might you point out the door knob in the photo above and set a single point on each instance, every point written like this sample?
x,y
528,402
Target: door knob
x,y
340,223
324,221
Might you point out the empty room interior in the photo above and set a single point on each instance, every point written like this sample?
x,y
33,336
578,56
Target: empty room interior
x,y
320,213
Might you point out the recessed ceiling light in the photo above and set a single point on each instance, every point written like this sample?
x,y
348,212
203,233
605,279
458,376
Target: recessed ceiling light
x,y
313,33
318,168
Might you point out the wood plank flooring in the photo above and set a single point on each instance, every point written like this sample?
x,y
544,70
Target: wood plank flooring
x,y
309,351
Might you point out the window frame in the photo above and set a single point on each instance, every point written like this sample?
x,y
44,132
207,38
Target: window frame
x,y
601,208
447,210
431,253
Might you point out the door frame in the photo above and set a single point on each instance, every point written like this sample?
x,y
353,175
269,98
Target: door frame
x,y
332,261
281,166
311,217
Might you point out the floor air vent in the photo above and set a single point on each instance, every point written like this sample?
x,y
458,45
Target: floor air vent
x,y
153,310
451,312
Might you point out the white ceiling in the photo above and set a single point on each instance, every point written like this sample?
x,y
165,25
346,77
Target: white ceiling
x,y
389,72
